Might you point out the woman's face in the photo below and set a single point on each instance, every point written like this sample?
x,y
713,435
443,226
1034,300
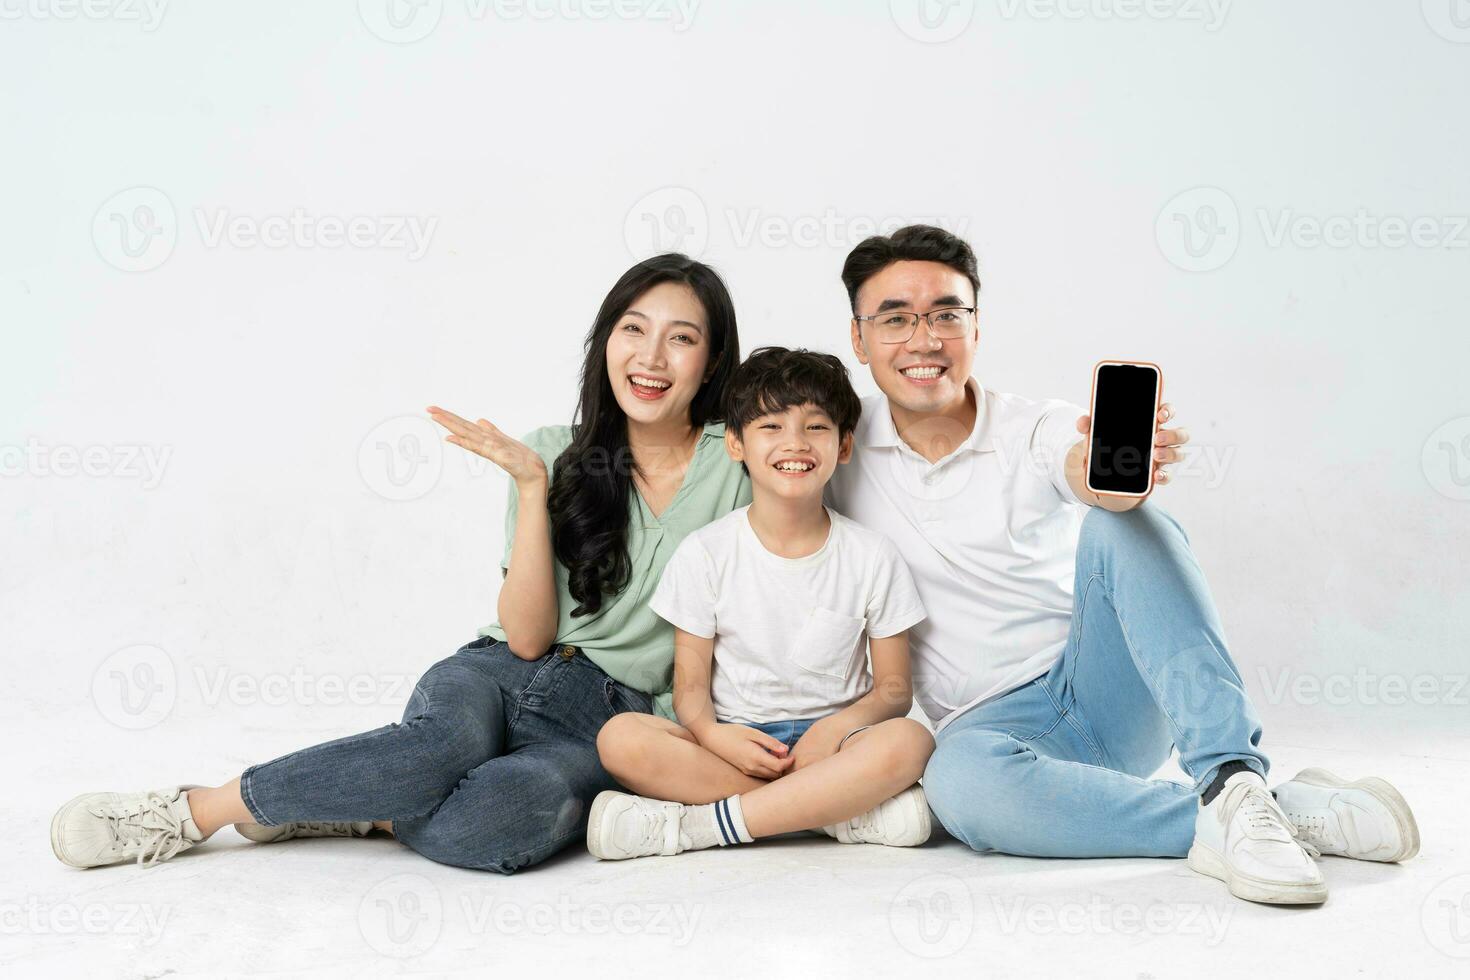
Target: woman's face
x,y
658,355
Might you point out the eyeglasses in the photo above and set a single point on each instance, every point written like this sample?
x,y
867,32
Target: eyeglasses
x,y
896,327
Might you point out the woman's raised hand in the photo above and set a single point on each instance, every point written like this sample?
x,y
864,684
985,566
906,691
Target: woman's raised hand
x,y
483,439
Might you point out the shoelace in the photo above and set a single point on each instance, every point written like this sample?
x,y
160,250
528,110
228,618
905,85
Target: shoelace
x,y
1263,815
1310,830
660,827
324,828
867,826
131,829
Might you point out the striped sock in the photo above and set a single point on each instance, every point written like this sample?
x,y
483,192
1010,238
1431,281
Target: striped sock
x,y
731,820
717,824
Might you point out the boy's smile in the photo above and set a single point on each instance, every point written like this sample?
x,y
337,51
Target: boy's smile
x,y
791,453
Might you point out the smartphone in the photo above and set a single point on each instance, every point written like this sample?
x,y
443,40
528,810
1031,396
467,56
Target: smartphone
x,y
1125,418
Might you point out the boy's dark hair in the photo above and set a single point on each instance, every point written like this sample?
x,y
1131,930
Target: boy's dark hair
x,y
773,379
914,243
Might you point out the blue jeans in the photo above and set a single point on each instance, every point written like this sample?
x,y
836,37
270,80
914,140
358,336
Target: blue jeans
x,y
493,766
1059,767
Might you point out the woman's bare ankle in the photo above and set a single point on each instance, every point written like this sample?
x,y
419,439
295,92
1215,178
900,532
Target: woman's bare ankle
x,y
213,807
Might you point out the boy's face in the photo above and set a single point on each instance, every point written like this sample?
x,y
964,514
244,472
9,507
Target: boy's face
x,y
791,454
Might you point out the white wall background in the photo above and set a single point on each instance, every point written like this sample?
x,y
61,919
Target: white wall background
x,y
1328,499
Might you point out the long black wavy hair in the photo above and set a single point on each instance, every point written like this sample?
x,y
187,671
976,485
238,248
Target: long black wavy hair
x,y
592,479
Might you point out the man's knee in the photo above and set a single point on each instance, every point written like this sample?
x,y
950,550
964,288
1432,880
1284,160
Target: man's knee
x,y
1146,525
972,783
1146,540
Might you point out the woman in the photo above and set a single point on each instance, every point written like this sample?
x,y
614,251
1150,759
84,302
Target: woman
x,y
495,761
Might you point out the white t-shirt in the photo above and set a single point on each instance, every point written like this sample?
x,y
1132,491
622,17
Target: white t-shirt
x,y
789,632
989,532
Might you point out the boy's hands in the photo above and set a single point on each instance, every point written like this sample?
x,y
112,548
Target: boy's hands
x,y
819,742
752,752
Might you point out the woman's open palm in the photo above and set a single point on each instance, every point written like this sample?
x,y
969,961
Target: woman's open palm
x,y
484,439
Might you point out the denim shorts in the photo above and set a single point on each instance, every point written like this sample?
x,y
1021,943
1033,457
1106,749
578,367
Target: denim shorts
x,y
786,732
790,731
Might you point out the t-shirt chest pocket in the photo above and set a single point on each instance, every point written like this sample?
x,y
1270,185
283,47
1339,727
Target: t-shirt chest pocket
x,y
827,643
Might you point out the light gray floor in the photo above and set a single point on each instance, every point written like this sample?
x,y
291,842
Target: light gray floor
x,y
792,907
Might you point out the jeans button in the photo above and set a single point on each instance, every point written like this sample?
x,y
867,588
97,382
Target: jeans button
x,y
568,652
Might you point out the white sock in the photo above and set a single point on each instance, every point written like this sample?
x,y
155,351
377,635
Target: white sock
x,y
713,824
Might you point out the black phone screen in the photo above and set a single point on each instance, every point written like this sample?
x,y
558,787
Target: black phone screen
x,y
1124,401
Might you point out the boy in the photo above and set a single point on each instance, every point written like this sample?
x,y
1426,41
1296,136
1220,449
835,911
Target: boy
x,y
781,726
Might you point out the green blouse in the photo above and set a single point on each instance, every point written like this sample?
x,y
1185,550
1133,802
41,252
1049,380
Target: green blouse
x,y
625,637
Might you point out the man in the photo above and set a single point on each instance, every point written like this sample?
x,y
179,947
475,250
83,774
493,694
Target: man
x,y
1071,641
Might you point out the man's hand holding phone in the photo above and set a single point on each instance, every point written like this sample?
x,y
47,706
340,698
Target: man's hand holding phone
x,y
1167,442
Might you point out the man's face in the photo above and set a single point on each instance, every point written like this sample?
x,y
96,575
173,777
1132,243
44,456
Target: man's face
x,y
906,372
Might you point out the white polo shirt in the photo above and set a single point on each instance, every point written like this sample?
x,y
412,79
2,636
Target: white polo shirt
x,y
989,533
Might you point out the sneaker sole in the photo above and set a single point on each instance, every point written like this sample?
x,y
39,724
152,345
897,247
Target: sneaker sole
x,y
918,816
1382,791
594,820
1205,861
259,833
925,823
56,846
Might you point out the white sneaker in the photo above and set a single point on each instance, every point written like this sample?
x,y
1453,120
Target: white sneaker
x,y
262,834
1365,819
1244,839
96,829
901,821
621,825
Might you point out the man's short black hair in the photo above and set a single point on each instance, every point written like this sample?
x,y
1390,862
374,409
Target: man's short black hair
x,y
914,243
773,379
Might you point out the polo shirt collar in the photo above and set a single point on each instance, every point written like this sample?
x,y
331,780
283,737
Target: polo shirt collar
x,y
876,429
